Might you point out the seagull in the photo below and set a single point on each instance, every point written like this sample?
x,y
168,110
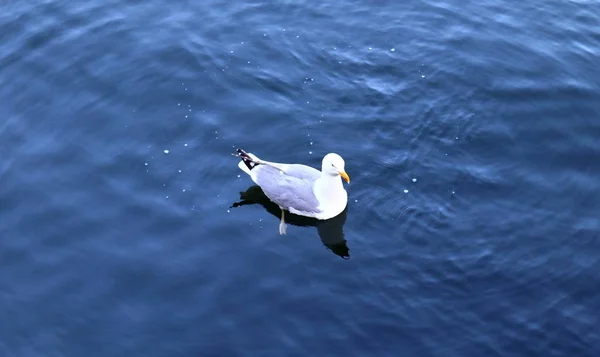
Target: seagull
x,y
300,189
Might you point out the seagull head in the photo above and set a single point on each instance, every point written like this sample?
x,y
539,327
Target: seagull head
x,y
334,165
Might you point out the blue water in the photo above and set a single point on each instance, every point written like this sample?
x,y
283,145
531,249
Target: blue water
x,y
470,131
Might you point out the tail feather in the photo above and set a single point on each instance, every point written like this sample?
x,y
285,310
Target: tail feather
x,y
244,168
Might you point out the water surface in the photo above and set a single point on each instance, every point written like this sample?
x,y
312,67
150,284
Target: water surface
x,y
469,129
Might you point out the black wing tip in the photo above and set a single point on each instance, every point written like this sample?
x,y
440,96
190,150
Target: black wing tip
x,y
250,164
241,153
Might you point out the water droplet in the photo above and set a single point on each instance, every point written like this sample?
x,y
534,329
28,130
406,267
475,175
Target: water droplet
x,y
228,211
310,152
146,164
178,104
184,144
239,176
414,180
167,197
423,76
405,191
356,201
183,190
186,116
166,151
179,171
393,50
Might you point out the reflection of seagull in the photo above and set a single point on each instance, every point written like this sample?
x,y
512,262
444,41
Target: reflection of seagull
x,y
331,231
300,189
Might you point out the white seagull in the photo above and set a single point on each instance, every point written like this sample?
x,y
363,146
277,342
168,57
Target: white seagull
x,y
298,188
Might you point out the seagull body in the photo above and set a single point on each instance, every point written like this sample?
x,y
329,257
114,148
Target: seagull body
x,y
298,188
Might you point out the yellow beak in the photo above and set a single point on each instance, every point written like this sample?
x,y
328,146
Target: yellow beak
x,y
345,176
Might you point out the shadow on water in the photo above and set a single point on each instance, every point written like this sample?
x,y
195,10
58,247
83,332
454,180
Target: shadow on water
x,y
331,231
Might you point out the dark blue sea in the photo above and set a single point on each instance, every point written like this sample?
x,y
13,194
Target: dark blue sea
x,y
470,131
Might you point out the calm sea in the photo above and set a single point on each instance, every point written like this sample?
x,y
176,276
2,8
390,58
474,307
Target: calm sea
x,y
470,130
